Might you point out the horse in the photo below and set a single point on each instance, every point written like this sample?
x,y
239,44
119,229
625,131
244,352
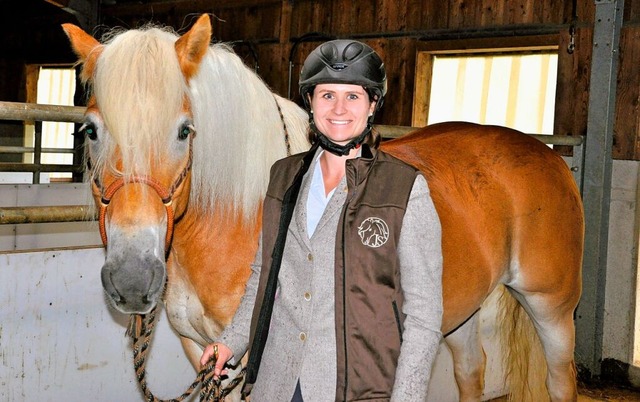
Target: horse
x,y
181,136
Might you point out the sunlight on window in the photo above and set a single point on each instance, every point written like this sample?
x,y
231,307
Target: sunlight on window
x,y
516,91
56,86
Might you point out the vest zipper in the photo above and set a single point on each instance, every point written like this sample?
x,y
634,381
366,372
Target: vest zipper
x,y
350,196
344,306
396,313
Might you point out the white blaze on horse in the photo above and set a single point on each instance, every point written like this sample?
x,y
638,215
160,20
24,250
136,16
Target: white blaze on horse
x,y
181,138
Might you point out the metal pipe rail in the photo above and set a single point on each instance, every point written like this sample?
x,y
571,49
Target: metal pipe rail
x,y
26,150
38,112
398,131
33,112
65,213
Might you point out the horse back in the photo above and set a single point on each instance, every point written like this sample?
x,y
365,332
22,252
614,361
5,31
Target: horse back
x,y
510,212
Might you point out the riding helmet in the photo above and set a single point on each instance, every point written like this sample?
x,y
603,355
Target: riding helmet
x,y
344,61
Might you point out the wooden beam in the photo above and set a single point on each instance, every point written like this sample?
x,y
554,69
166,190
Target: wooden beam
x,y
162,7
58,3
86,11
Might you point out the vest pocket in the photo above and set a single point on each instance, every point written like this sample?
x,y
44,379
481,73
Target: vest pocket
x,y
396,314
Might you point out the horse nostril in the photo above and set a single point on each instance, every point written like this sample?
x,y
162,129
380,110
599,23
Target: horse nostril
x,y
109,287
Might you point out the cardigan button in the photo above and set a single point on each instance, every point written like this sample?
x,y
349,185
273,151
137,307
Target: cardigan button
x,y
303,336
307,296
310,257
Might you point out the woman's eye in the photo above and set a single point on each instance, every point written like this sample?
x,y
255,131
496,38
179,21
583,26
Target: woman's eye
x,y
89,131
185,131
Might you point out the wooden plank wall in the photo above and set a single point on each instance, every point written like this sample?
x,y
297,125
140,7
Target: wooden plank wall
x,y
399,29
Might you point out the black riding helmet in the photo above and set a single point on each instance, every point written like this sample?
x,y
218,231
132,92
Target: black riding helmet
x,y
343,61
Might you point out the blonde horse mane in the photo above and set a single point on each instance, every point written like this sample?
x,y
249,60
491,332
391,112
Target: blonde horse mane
x,y
140,90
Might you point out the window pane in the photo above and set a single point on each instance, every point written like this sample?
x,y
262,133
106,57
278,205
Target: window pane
x,y
515,90
56,86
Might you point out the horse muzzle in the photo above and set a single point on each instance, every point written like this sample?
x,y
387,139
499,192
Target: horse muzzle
x,y
133,279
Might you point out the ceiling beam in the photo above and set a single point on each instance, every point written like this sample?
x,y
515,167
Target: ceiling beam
x,y
86,11
159,6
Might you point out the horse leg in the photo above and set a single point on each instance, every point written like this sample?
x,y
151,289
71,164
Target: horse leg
x,y
554,324
192,350
469,359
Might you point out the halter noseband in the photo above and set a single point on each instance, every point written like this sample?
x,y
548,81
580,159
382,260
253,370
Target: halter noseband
x,y
165,194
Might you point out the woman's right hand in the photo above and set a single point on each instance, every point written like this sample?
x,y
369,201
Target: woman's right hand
x,y
223,355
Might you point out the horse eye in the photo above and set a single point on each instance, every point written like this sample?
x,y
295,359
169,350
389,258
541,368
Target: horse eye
x,y
184,132
89,130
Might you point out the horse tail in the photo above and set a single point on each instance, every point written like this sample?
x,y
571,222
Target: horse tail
x,y
523,359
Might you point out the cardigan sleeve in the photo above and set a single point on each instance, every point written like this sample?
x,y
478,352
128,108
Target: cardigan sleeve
x,y
236,334
420,253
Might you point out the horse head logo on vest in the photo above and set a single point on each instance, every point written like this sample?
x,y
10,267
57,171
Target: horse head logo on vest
x,y
373,232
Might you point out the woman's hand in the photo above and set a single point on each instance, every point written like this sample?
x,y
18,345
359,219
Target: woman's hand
x,y
221,353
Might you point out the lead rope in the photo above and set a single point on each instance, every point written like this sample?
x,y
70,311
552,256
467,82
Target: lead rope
x,y
140,329
287,142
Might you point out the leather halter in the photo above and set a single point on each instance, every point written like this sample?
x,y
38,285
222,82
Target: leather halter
x,y
165,194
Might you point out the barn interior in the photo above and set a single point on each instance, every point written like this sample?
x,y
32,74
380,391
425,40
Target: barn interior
x,y
587,98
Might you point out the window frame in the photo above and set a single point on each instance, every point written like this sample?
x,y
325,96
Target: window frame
x,y
427,50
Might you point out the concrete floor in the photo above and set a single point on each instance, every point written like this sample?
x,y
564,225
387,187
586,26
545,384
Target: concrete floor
x,y
606,394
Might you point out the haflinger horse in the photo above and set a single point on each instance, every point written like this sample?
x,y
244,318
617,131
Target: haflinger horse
x,y
181,137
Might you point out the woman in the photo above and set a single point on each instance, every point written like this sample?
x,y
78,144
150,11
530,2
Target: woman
x,y
345,301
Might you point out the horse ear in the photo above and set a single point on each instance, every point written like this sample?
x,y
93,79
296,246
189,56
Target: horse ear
x,y
86,47
192,46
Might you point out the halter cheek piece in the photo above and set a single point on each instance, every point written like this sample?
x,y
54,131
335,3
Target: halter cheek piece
x,y
165,194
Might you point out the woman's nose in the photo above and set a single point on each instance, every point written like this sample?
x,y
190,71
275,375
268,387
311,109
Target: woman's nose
x,y
339,106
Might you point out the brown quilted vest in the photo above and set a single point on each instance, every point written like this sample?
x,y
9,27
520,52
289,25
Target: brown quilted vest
x,y
368,297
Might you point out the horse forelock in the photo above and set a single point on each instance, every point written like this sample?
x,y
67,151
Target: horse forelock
x,y
240,134
139,90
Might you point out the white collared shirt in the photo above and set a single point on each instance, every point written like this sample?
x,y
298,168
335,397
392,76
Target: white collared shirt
x,y
317,200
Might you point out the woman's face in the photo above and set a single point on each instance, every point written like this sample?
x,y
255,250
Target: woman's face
x,y
340,111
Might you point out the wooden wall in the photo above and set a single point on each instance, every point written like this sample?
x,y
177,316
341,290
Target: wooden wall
x,y
276,34
30,33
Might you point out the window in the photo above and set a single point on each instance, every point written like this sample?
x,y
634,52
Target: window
x,y
513,90
55,86
502,81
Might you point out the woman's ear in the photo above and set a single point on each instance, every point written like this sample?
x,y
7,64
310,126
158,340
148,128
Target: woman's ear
x,y
372,106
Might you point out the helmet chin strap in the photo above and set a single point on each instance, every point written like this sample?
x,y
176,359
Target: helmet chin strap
x,y
339,150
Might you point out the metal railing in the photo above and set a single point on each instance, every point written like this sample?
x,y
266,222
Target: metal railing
x,y
36,113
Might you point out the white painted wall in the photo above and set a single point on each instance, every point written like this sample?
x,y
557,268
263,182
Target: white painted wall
x,y
60,342
620,327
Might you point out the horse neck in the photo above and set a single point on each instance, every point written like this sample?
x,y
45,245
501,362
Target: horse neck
x,y
205,255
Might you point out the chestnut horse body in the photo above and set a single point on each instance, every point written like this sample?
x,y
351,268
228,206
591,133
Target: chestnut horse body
x,y
181,137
